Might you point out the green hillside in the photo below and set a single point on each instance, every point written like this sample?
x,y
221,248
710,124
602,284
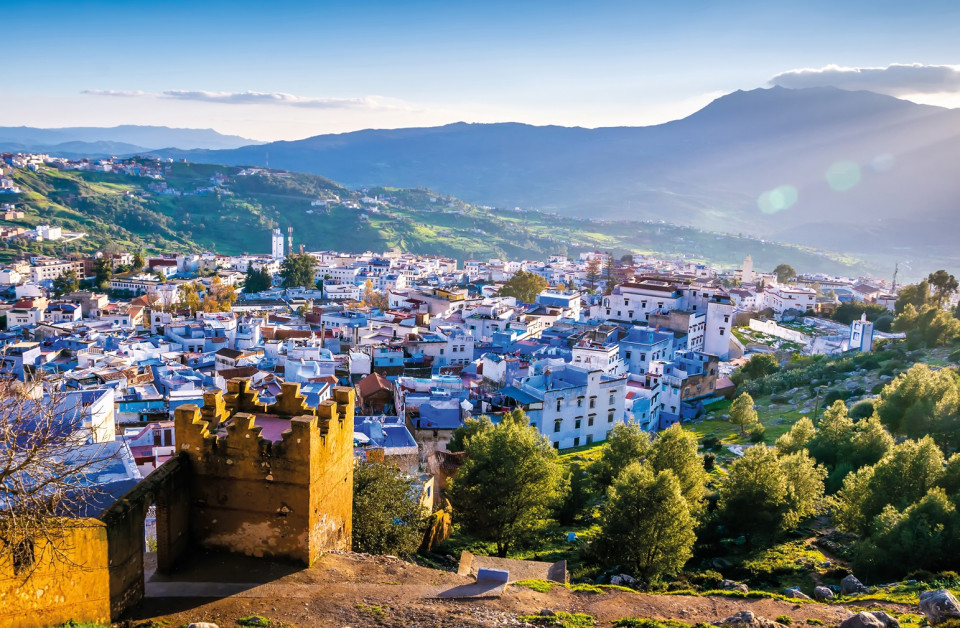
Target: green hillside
x,y
236,216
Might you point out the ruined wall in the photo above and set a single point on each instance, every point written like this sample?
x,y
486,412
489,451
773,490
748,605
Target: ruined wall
x,y
292,498
125,535
72,583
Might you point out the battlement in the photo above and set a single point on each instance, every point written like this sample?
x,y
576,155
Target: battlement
x,y
290,497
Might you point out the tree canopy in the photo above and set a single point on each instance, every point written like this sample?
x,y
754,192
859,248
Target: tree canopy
x,y
626,444
297,271
523,286
66,283
944,286
510,480
784,273
388,517
743,414
257,280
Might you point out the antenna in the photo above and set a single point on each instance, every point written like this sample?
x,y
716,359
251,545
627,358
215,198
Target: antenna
x,y
896,269
290,239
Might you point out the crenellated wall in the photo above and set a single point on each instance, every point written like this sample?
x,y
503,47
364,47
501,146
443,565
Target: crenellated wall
x,y
292,498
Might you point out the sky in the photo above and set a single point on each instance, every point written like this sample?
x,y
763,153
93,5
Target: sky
x,y
288,70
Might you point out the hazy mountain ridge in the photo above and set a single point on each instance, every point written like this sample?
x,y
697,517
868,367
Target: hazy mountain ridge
x,y
129,138
708,169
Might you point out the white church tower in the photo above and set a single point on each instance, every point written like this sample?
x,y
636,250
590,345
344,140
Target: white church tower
x,y
277,244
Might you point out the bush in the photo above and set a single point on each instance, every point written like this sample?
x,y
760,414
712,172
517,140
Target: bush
x,y
785,619
709,461
757,433
921,575
861,410
814,622
707,580
711,441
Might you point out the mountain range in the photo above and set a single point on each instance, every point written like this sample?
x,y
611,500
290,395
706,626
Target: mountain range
x,y
118,140
847,170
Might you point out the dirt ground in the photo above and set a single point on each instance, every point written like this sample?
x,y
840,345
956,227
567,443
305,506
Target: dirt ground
x,y
357,590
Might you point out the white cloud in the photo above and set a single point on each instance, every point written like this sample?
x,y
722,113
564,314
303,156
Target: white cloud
x,y
898,79
261,98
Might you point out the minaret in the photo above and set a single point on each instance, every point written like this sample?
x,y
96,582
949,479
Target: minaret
x,y
747,270
277,241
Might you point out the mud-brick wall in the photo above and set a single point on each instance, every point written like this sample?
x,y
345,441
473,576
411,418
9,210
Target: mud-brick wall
x,y
331,507
287,499
71,583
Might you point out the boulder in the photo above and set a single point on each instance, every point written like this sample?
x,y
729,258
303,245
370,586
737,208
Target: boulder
x,y
874,619
822,594
939,606
747,619
547,612
202,624
851,586
796,594
733,585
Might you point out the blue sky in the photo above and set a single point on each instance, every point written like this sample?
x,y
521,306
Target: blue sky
x,y
284,70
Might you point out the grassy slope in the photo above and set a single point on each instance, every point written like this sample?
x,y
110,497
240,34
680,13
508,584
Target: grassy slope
x,y
117,209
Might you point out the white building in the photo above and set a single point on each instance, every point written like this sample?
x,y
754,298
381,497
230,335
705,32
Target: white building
x,y
277,244
861,334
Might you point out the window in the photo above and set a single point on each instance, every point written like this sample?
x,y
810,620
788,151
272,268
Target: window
x,y
610,417
576,441
590,420
579,402
589,438
576,424
556,445
626,355
613,399
559,402
593,402
441,350
556,426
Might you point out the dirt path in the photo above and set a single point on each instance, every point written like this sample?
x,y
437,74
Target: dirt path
x,y
357,591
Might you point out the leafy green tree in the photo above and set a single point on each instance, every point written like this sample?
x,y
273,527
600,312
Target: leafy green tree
x,y
784,273
66,283
102,271
765,494
257,280
138,261
743,414
593,272
675,449
388,517
627,443
760,365
916,295
609,274
470,428
646,524
297,270
922,401
576,495
901,478
797,438
511,477
851,311
523,286
834,431
627,259
944,286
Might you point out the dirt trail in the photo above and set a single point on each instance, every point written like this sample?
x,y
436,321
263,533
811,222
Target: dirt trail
x,y
357,590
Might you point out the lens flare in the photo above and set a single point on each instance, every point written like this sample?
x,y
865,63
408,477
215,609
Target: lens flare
x,y
882,162
843,176
778,199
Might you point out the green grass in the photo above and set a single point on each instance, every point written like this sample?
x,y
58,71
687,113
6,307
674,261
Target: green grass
x,y
375,610
561,619
545,586
636,622
255,620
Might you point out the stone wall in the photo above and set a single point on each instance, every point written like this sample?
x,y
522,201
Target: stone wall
x,y
290,499
70,583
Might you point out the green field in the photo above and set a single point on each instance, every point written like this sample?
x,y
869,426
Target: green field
x,y
120,211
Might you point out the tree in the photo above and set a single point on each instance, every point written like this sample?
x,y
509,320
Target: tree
x,y
374,299
675,449
627,259
576,495
46,478
944,285
923,401
784,273
510,479
138,261
593,272
257,280
760,365
646,524
219,297
388,517
627,443
523,286
102,271
189,297
916,295
765,494
797,438
297,270
609,274
743,414
66,283
470,428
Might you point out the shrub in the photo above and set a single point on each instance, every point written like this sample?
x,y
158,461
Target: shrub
x,y
861,410
711,441
709,461
561,619
757,433
785,619
814,622
635,622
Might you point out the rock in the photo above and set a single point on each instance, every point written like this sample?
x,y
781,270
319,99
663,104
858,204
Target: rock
x,y
796,594
746,619
874,619
616,580
822,593
547,613
733,585
627,580
851,586
202,624
939,606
